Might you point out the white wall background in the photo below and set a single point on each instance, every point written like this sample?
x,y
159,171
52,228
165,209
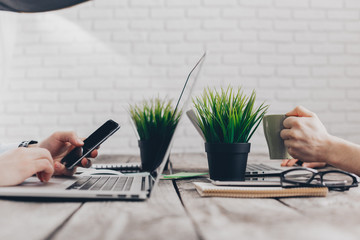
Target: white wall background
x,y
75,68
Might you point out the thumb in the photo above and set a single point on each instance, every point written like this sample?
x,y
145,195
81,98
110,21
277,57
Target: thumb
x,y
71,137
300,111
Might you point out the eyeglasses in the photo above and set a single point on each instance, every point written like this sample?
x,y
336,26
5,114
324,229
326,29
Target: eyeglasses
x,y
307,177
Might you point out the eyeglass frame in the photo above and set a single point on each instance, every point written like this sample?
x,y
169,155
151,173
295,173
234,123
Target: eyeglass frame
x,y
314,172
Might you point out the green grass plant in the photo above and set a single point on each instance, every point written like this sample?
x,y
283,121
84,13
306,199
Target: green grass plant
x,y
154,119
228,115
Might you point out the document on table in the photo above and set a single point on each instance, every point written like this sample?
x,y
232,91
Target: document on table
x,y
210,190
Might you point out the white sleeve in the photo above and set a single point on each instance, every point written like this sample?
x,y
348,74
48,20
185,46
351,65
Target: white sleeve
x,y
7,147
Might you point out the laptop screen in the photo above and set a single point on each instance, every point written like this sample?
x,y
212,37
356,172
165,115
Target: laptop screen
x,y
181,104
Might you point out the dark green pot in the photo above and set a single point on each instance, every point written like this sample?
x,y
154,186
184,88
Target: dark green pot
x,y
227,161
151,154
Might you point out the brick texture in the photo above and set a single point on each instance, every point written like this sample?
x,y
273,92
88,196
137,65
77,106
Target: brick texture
x,y
75,68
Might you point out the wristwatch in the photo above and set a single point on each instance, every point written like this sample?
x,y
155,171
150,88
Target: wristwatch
x,y
27,143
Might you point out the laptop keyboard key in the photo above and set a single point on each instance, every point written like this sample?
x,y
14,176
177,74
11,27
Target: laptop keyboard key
x,y
255,168
109,184
90,183
98,185
268,168
120,184
79,183
143,183
129,183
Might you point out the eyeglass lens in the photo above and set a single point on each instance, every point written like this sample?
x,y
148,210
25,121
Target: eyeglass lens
x,y
328,179
300,175
337,179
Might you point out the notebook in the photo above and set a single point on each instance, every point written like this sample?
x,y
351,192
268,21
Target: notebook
x,y
210,190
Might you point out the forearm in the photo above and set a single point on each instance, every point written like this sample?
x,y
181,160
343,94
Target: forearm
x,y
344,155
7,147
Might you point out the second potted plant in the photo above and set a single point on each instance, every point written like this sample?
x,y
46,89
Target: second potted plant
x,y
228,119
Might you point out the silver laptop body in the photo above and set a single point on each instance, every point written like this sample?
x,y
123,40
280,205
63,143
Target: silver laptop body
x,y
103,184
252,169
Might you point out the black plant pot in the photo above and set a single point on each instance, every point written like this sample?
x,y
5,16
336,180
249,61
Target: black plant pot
x,y
151,154
227,161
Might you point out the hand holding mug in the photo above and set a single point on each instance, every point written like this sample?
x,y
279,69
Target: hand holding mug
x,y
305,136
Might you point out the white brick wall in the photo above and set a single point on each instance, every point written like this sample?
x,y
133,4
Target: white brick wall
x,y
75,68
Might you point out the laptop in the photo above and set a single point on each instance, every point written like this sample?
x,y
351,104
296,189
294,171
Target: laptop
x,y
252,169
104,184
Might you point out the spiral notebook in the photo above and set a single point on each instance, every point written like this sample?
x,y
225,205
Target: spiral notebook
x,y
210,190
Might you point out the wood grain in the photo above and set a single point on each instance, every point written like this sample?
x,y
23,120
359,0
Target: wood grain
x,y
228,218
33,220
161,217
164,217
339,210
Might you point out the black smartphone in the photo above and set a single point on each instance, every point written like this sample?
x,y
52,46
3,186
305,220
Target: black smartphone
x,y
90,143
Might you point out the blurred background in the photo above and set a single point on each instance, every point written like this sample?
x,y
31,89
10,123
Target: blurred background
x,y
75,68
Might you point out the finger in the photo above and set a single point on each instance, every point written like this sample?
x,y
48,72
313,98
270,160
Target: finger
x,y
98,147
39,153
40,177
300,111
314,165
86,163
70,137
69,172
62,170
284,162
292,162
289,143
291,122
94,154
285,134
44,168
59,168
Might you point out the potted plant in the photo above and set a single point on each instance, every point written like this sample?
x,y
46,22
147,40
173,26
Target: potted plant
x,y
228,119
155,121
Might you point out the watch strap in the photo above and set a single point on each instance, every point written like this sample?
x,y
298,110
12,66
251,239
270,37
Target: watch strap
x,y
27,143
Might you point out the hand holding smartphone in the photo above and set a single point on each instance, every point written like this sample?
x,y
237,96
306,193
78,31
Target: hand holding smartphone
x,y
90,143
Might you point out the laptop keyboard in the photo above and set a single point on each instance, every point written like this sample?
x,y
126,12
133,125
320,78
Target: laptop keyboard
x,y
123,167
122,183
259,168
103,183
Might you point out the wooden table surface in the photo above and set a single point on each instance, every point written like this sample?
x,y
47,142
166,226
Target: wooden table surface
x,y
176,211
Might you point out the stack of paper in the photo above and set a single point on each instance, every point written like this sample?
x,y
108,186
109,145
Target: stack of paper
x,y
210,190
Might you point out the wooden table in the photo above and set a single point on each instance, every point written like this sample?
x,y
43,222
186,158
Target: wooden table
x,y
176,211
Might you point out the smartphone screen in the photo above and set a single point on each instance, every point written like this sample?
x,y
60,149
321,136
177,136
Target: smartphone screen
x,y
90,143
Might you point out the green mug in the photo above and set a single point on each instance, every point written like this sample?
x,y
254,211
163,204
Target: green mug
x,y
273,124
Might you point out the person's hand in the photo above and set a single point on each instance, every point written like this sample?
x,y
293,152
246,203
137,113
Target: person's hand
x,y
21,163
292,162
61,143
305,136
